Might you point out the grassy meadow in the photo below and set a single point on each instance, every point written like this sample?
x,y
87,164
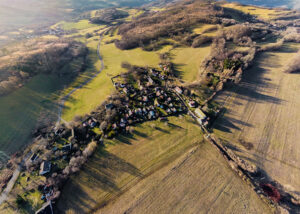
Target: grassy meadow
x,y
260,12
20,110
188,61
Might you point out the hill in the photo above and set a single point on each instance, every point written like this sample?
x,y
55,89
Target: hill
x,y
153,130
21,62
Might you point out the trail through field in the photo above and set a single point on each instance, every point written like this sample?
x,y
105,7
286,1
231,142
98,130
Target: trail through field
x,y
262,118
67,96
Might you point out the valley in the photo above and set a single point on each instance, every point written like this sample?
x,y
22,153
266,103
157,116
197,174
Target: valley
x,y
175,107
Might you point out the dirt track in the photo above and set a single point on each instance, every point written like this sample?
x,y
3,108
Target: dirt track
x,y
262,118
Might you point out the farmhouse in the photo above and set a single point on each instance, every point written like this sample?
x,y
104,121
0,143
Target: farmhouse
x,y
45,167
178,90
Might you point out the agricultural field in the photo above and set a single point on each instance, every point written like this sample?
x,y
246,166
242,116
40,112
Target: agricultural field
x,y
139,173
206,29
259,12
79,25
188,61
20,111
261,121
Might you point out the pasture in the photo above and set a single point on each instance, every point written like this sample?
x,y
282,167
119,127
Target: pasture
x,y
259,12
21,110
188,61
261,121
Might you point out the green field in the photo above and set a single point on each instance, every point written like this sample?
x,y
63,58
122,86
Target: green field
x,y
188,61
20,110
93,94
80,25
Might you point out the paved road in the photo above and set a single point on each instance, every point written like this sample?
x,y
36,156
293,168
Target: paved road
x,y
64,99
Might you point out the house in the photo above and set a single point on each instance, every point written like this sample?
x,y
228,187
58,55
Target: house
x,y
151,115
192,103
150,80
67,148
34,157
178,90
45,167
145,98
199,113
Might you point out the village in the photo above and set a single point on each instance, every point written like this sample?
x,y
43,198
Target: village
x,y
141,94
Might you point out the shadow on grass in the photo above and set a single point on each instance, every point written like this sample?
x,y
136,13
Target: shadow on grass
x,y
101,173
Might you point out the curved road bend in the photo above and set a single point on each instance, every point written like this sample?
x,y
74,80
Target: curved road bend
x,y
16,173
64,99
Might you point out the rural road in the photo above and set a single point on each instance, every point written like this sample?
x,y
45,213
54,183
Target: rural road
x,y
12,181
10,184
16,173
64,99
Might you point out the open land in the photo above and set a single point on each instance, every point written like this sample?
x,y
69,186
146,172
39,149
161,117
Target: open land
x,y
161,159
261,122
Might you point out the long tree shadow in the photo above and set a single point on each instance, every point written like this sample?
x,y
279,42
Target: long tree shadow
x,y
100,174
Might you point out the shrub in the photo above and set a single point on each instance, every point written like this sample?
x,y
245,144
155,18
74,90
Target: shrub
x,y
200,40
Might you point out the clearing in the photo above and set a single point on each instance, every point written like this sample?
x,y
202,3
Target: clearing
x,y
261,122
259,12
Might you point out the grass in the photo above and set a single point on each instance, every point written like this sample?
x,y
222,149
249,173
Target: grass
x,y
205,29
88,98
263,112
188,61
170,163
20,110
260,12
80,25
126,159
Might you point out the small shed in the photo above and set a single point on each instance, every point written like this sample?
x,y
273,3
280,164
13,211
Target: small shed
x,y
199,113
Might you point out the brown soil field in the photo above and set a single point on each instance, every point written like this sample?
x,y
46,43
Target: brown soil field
x,y
160,169
261,122
198,182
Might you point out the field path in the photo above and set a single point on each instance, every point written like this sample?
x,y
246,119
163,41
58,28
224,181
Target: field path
x,y
65,98
10,185
12,181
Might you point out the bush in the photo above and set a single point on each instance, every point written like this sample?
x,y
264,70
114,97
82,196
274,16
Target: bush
x,y
89,150
200,40
111,134
20,201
